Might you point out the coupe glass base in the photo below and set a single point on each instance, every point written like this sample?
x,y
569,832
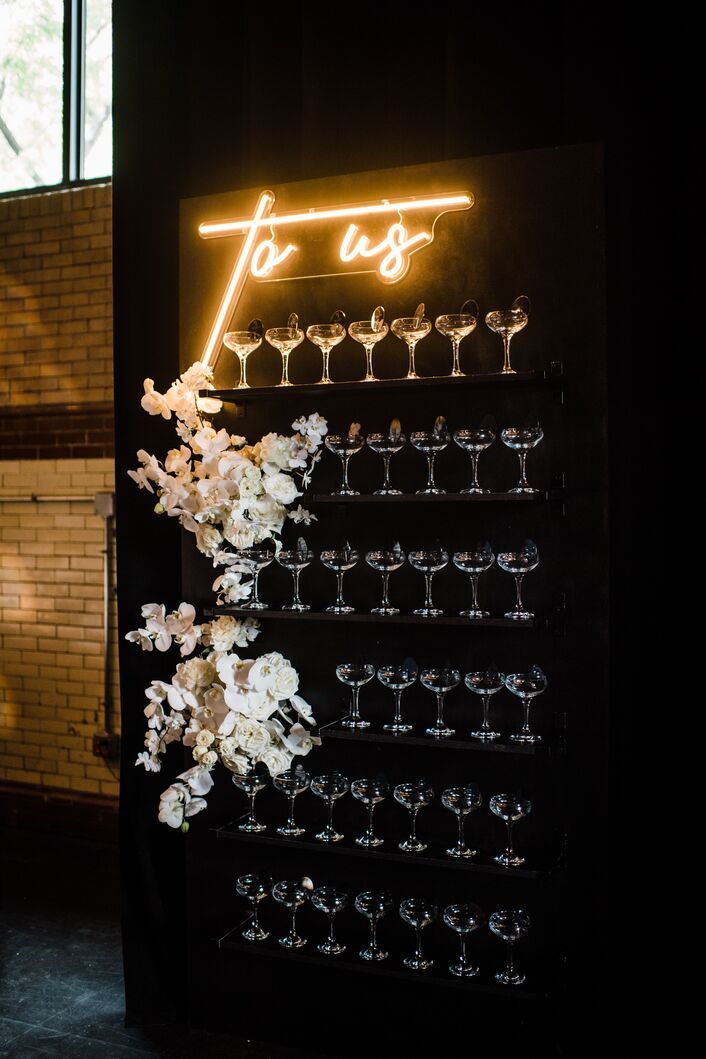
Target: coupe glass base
x,y
258,605
251,827
296,606
350,723
336,609
385,610
255,934
515,861
331,948
290,832
415,964
428,612
398,729
289,942
285,382
387,492
519,737
431,492
328,836
463,970
473,491
508,371
369,843
519,615
525,490
440,732
460,854
484,737
475,614
346,492
412,847
509,979
373,955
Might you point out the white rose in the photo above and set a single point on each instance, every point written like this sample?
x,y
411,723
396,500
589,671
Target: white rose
x,y
209,759
208,538
231,756
253,738
204,738
286,682
240,534
195,674
276,759
281,488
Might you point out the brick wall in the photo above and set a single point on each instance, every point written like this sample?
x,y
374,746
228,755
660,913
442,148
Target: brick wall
x,y
56,439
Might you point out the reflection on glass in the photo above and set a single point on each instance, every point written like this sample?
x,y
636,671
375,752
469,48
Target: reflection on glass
x,y
510,808
428,562
242,343
474,440
330,901
254,888
345,446
330,788
340,560
474,563
386,561
521,440
292,893
251,783
256,559
510,925
431,443
285,339
506,323
413,796
354,675
291,783
386,445
419,913
526,686
398,679
411,330
518,564
373,904
461,801
295,560
368,333
486,684
370,792
463,919
440,681
456,326
326,337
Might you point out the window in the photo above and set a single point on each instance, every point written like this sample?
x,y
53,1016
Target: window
x,y
55,92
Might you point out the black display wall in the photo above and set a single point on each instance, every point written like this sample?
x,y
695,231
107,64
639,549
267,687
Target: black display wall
x,y
211,98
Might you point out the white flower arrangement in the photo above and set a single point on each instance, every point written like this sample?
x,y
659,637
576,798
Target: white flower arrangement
x,y
227,709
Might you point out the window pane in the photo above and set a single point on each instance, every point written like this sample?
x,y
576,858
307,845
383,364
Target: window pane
x,y
98,148
31,68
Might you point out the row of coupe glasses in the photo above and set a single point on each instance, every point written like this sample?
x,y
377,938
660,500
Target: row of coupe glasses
x,y
473,440
440,681
368,333
371,792
510,925
386,561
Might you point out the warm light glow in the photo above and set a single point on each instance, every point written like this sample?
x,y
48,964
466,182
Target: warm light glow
x,y
397,242
266,257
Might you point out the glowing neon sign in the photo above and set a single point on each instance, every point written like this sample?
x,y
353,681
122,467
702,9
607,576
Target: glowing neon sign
x,y
262,257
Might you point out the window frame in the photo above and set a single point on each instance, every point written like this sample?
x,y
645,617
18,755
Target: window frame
x,y
73,110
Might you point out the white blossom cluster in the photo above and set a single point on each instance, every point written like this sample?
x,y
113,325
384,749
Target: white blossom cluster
x,y
228,709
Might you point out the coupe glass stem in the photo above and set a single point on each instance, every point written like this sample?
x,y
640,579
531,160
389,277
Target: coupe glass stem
x,y
474,590
509,851
485,725
293,929
518,583
255,598
457,347
523,483
340,602
326,377
526,703
428,602
331,935
255,925
461,831
355,712
370,834
290,821
510,962
418,951
440,708
398,706
507,368
475,484
295,575
413,825
344,481
244,372
385,581
412,373
369,359
251,817
386,460
373,934
431,484
285,369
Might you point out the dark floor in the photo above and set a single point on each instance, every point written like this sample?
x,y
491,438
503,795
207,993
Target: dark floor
x,y
61,991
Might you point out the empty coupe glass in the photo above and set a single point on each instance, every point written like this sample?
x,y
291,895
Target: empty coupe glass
x,y
292,893
510,925
413,796
386,445
243,343
295,560
330,901
292,783
464,919
345,446
428,561
373,904
419,913
431,442
330,788
411,330
521,440
285,339
506,323
397,679
461,801
355,675
456,326
368,333
474,563
256,559
370,792
474,440
340,560
254,888
386,561
251,783
510,808
518,564
526,686
440,681
325,337
486,684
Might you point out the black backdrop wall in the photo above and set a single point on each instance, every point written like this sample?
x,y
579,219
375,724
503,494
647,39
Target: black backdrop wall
x,y
211,97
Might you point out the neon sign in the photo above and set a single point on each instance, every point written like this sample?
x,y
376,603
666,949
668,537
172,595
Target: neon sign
x,y
262,256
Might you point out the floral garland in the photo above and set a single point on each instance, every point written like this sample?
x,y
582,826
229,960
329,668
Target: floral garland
x,y
237,711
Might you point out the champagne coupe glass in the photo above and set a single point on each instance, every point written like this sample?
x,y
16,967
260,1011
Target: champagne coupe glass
x,y
486,684
506,323
292,893
474,563
464,919
285,339
345,446
440,681
373,904
326,336
330,788
251,783
386,445
370,792
419,913
475,440
243,343
526,686
413,796
518,564
386,561
510,808
254,888
295,560
431,443
355,675
340,560
330,901
292,783
510,925
428,561
256,559
521,440
398,679
461,801
368,333
412,329
456,326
